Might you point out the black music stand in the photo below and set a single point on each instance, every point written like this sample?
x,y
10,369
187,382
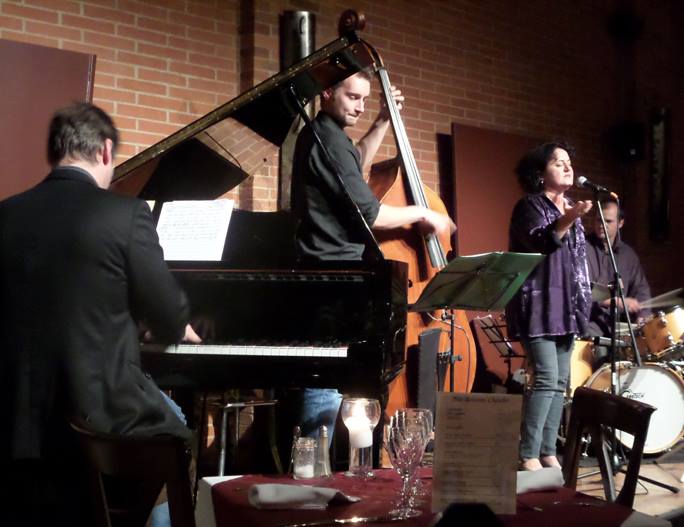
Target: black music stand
x,y
480,282
493,331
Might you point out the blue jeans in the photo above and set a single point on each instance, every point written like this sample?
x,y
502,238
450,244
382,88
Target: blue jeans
x,y
550,359
318,406
160,513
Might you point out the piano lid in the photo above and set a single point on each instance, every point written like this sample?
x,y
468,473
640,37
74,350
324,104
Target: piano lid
x,y
215,153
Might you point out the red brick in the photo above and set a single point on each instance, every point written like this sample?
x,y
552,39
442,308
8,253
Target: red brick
x,y
113,15
160,76
114,95
206,23
50,30
143,8
104,53
141,138
192,95
107,105
140,112
109,41
162,103
212,61
81,22
191,45
208,36
163,27
209,86
29,12
30,39
141,60
182,119
56,5
164,52
156,127
102,79
8,22
194,71
141,86
141,34
115,68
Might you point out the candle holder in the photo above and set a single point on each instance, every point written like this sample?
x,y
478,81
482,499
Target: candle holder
x,y
360,417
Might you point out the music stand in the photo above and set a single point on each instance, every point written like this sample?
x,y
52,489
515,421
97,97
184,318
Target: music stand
x,y
482,282
501,343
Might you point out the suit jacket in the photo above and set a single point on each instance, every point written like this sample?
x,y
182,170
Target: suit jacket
x,y
79,268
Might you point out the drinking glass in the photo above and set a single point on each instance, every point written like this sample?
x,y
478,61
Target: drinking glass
x,y
360,416
421,420
405,440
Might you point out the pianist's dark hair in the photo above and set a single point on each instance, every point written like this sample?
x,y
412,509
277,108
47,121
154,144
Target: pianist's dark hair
x,y
531,167
78,131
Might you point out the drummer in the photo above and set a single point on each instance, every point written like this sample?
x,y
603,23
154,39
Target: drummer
x,y
636,287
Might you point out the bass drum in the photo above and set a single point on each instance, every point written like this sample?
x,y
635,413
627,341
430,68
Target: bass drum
x,y
654,384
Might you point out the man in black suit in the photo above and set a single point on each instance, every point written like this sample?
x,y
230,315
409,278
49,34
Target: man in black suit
x,y
79,269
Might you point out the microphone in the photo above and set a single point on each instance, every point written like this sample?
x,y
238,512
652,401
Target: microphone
x,y
582,182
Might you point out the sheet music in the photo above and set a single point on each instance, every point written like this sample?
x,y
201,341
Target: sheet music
x,y
194,230
476,450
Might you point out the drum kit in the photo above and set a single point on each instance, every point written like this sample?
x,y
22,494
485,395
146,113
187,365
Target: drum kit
x,y
658,379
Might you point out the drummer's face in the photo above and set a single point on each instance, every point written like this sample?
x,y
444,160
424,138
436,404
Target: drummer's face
x,y
610,214
347,102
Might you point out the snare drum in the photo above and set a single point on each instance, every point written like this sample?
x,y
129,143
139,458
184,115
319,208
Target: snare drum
x,y
655,384
663,333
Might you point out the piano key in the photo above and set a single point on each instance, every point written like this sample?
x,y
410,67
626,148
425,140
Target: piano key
x,y
257,351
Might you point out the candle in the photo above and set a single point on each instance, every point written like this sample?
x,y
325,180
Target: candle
x,y
359,425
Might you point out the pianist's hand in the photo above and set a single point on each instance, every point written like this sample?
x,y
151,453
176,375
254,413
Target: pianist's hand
x,y
191,336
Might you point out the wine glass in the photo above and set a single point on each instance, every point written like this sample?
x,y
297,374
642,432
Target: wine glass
x,y
405,440
360,416
421,419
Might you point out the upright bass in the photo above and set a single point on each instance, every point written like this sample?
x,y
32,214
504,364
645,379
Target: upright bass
x,y
397,182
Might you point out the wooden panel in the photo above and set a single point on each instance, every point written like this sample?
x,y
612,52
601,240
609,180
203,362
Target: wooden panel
x,y
486,188
34,82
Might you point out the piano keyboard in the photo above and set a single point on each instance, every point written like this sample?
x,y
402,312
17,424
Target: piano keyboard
x,y
258,351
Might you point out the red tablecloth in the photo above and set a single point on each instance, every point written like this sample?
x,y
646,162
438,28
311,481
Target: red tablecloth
x,y
558,508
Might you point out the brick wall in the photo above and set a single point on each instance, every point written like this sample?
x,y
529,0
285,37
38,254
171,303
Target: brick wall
x,y
160,64
539,68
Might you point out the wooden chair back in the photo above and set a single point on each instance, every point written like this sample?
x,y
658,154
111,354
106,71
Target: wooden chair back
x,y
127,474
598,413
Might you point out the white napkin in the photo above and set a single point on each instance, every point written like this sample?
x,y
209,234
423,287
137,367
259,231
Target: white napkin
x,y
543,479
282,496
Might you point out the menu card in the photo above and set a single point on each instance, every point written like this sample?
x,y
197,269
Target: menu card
x,y
476,450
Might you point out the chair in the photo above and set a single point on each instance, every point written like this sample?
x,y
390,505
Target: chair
x,y
596,411
127,473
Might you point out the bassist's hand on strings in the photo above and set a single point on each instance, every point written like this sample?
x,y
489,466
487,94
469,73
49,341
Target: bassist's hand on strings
x,y
384,114
437,223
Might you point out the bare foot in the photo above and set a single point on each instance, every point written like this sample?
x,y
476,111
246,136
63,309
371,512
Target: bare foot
x,y
550,461
530,464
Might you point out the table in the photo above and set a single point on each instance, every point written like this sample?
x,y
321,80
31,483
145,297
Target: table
x,y
222,502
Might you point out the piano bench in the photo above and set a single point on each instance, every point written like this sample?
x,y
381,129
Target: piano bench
x,y
236,407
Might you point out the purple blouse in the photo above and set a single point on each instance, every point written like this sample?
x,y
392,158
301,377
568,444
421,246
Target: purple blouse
x,y
556,297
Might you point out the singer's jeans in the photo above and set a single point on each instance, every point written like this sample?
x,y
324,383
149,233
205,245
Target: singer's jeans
x,y
550,360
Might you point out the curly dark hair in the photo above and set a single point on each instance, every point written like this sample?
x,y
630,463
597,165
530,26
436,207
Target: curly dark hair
x,y
532,165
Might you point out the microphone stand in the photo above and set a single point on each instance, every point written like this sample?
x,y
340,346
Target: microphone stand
x,y
617,289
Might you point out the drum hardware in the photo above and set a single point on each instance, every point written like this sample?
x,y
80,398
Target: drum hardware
x,y
663,332
634,389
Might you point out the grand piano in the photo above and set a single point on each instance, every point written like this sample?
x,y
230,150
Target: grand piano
x,y
267,320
